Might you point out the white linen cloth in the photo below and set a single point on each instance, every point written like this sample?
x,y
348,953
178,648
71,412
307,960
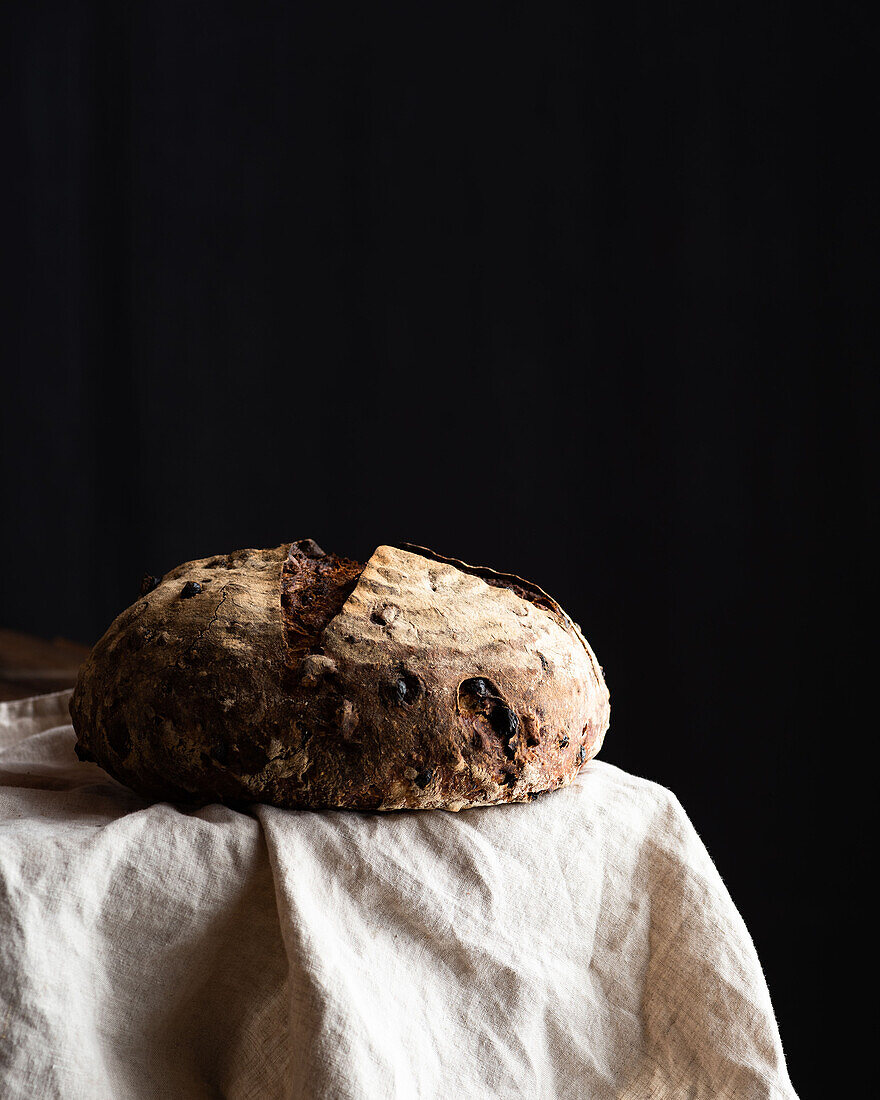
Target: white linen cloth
x,y
580,946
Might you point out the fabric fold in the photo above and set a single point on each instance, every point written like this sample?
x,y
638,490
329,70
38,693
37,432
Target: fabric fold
x,y
580,945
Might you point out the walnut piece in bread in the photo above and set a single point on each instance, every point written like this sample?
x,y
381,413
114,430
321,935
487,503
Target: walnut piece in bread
x,y
302,679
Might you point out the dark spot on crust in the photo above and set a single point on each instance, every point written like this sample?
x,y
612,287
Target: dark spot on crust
x,y
480,701
582,754
506,724
477,687
250,757
563,741
503,721
220,752
405,689
118,737
148,583
190,589
544,662
424,778
83,753
509,779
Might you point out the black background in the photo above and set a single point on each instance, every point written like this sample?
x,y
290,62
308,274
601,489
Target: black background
x,y
564,289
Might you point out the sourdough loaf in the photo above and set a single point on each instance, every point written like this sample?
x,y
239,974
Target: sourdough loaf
x,y
306,680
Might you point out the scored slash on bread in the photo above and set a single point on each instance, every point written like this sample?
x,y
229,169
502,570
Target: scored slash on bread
x,y
306,680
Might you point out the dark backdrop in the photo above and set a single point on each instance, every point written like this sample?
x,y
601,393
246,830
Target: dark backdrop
x,y
561,289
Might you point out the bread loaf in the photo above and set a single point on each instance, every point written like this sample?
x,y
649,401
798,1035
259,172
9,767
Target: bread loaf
x,y
306,680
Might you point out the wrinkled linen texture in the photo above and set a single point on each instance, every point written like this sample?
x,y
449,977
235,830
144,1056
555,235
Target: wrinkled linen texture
x,y
580,946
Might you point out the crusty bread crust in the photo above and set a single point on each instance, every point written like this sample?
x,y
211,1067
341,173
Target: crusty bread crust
x,y
310,681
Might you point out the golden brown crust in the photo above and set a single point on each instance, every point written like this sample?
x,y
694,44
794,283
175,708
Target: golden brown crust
x,y
305,680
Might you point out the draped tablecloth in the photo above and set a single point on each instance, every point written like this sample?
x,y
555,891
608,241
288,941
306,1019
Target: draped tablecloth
x,y
580,946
